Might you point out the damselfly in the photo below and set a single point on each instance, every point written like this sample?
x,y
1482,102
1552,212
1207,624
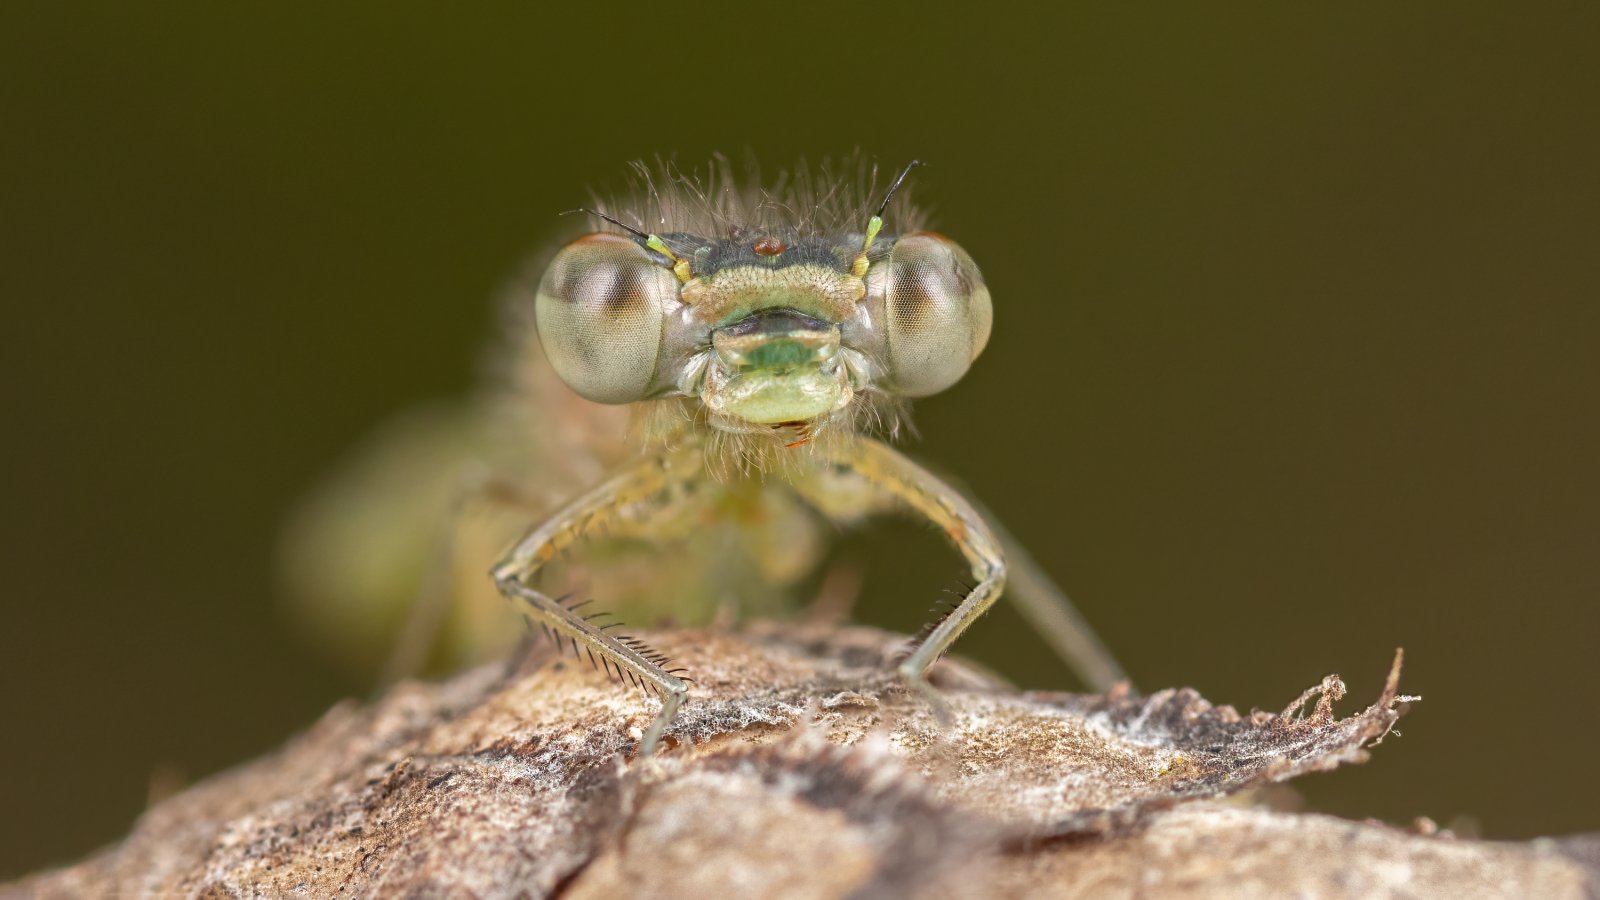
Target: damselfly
x,y
766,341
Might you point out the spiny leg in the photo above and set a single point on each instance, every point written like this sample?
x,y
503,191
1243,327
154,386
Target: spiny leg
x,y
1052,613
1043,603
960,521
634,493
561,643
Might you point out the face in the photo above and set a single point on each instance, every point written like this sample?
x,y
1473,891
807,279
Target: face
x,y
767,330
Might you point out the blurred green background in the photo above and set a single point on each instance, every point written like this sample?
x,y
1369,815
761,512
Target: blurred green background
x,y
1295,352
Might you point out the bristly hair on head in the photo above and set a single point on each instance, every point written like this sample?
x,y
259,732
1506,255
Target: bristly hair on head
x,y
835,197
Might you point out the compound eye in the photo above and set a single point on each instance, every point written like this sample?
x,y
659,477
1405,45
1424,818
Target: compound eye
x,y
599,312
936,313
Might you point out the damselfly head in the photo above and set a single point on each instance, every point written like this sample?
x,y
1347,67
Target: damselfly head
x,y
778,311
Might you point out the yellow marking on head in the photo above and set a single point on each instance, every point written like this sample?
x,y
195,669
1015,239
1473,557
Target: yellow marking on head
x,y
680,267
858,268
874,225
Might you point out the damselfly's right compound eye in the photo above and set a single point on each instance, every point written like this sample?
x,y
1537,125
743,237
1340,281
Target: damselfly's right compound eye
x,y
600,310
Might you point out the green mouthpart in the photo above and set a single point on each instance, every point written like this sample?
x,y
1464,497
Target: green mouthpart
x,y
779,354
775,339
777,365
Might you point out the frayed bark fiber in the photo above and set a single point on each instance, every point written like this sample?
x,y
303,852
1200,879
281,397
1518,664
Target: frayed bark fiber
x,y
798,769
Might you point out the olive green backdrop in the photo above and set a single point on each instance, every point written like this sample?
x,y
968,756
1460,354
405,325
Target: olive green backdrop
x,y
1294,357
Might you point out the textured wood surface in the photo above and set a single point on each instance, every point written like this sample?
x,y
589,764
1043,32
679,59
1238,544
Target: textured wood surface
x,y
797,769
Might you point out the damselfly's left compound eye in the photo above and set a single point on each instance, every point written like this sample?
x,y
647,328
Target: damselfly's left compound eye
x,y
935,315
599,312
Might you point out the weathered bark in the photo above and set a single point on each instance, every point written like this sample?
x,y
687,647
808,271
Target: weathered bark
x,y
798,769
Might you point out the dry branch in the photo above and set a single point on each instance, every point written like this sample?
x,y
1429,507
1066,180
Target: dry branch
x,y
798,769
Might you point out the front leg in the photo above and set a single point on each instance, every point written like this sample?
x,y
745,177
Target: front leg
x,y
919,489
642,488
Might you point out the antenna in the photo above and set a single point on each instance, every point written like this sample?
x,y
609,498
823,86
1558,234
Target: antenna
x,y
898,180
875,224
641,236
